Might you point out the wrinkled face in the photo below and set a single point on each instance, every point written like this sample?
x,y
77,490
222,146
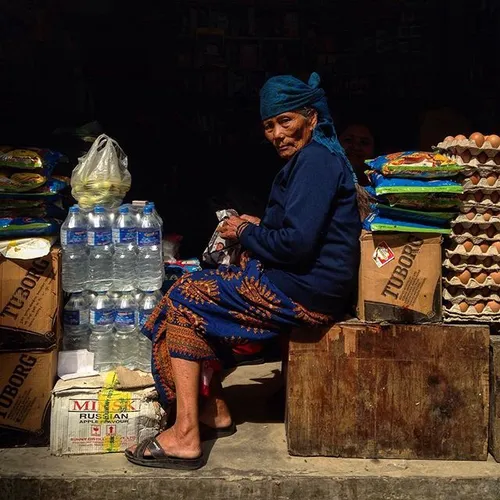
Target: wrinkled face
x,y
289,132
357,141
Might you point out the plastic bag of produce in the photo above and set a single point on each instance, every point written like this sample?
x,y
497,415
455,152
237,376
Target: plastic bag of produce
x,y
101,176
375,222
415,164
21,227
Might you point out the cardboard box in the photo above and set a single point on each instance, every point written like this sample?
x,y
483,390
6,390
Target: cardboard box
x,y
400,278
30,302
26,382
90,416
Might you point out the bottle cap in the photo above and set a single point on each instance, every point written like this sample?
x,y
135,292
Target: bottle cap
x,y
74,209
98,209
148,209
123,209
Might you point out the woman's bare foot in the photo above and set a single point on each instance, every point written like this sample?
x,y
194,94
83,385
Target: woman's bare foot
x,y
177,443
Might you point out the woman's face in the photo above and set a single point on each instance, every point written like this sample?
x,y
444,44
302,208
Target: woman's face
x,y
357,141
289,132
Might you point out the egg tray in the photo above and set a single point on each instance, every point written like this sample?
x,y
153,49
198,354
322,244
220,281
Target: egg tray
x,y
482,170
478,219
473,268
469,201
475,251
473,297
472,284
460,146
466,158
477,239
469,187
482,226
453,317
480,208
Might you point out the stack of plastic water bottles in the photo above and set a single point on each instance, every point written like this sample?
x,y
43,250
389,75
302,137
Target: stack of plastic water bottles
x,y
113,267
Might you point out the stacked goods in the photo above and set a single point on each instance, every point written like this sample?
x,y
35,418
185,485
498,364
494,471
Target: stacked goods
x,y
413,192
30,203
472,276
113,268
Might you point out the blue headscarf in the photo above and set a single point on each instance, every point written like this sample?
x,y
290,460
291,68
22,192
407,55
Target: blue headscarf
x,y
281,94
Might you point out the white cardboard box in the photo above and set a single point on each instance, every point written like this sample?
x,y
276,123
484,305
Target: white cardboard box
x,y
89,416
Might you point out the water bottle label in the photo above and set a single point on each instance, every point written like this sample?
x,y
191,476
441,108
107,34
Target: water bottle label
x,y
125,317
146,237
102,317
74,236
99,237
124,235
76,318
143,316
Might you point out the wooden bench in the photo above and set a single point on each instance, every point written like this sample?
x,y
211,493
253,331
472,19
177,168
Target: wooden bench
x,y
393,391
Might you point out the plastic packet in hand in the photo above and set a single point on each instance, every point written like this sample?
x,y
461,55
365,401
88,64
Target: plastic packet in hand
x,y
219,250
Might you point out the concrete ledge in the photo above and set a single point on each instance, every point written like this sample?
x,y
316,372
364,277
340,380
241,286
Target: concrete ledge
x,y
253,463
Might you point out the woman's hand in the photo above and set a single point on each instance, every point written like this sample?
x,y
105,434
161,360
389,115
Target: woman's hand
x,y
228,228
252,219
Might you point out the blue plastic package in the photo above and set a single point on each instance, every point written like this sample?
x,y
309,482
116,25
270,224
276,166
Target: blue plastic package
x,y
417,216
395,185
375,223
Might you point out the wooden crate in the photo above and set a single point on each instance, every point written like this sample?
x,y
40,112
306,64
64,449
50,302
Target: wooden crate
x,y
389,391
494,442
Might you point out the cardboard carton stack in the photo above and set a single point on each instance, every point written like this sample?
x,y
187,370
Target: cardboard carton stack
x,y
30,333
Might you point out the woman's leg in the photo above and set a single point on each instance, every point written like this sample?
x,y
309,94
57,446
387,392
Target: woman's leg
x,y
215,412
182,440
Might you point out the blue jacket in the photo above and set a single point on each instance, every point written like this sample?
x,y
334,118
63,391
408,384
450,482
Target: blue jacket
x,y
308,239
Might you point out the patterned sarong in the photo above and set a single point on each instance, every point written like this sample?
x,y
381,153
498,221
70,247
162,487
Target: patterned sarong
x,y
207,311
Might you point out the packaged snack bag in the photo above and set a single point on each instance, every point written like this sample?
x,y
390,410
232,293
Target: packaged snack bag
x,y
415,164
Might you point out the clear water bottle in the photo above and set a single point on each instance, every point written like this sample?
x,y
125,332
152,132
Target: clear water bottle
x,y
99,236
125,337
102,317
143,353
125,344
150,255
126,315
156,215
74,253
114,296
138,295
125,250
146,305
76,329
89,297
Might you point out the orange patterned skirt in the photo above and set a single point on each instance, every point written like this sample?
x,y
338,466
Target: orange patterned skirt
x,y
207,312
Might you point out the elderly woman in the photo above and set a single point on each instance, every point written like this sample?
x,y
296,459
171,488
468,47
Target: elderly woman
x,y
299,268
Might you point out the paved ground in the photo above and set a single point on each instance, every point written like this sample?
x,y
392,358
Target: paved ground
x,y
254,463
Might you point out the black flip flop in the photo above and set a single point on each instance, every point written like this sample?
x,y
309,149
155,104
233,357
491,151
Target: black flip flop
x,y
159,458
208,433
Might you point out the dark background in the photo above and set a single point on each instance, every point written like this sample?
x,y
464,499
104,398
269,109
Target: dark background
x,y
176,83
